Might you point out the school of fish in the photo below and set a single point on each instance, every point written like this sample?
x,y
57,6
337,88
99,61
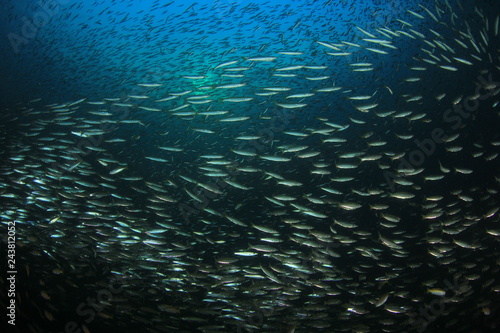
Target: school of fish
x,y
271,193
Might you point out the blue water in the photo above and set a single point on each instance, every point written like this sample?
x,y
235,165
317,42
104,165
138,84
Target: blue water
x,y
62,51
100,49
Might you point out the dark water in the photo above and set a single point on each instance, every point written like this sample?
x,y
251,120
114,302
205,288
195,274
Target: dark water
x,y
348,182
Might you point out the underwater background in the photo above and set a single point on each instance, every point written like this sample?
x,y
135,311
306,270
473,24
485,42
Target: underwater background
x,y
251,166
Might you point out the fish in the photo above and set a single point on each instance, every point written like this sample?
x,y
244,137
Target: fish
x,y
240,167
266,59
291,105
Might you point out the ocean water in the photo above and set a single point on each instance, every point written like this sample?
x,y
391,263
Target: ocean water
x,y
251,166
